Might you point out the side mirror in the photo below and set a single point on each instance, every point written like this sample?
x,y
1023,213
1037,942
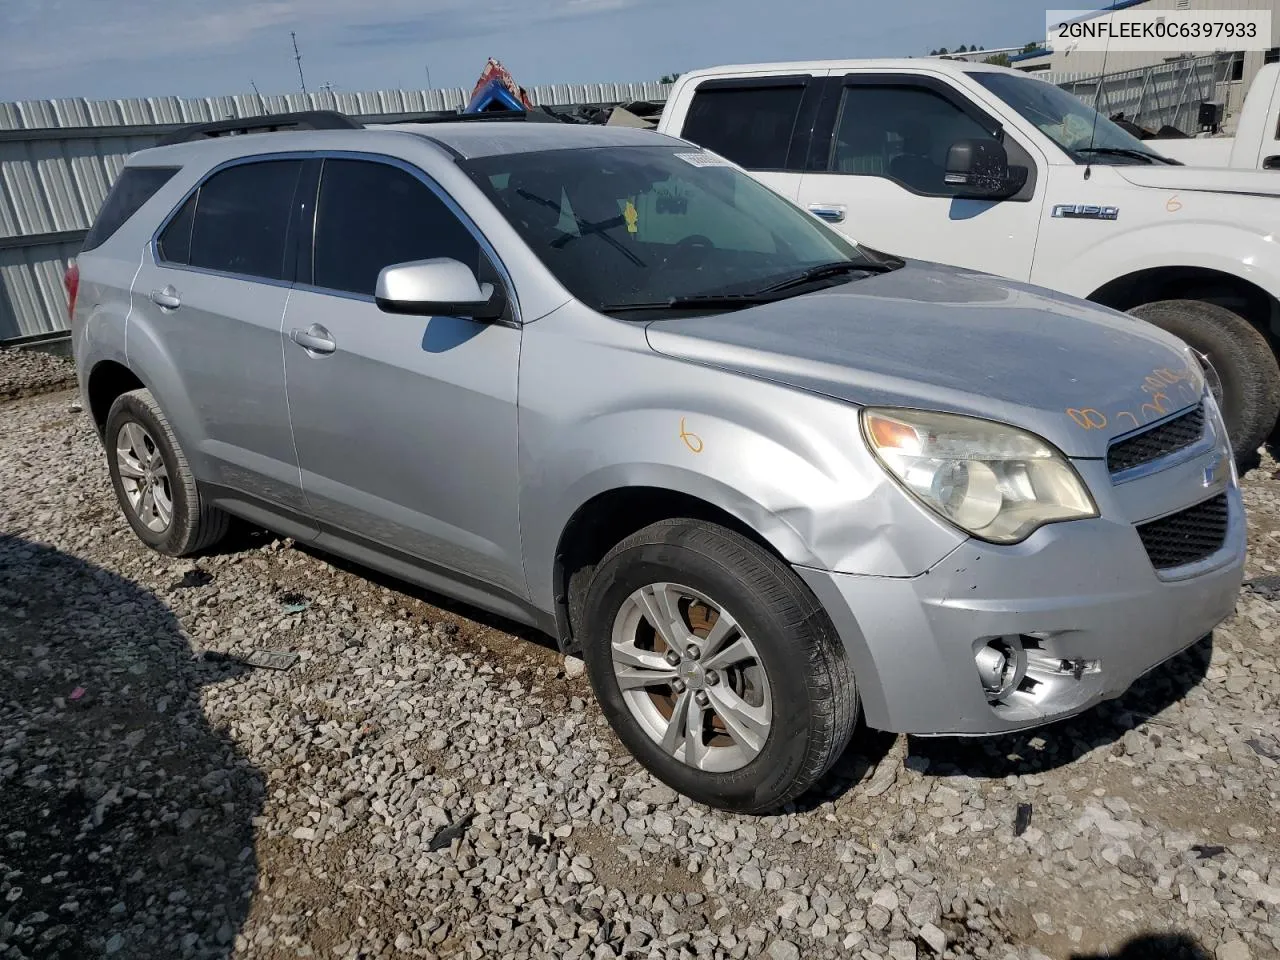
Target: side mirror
x,y
441,287
980,169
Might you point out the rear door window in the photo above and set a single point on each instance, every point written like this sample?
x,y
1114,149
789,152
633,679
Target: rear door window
x,y
372,215
750,124
135,187
241,220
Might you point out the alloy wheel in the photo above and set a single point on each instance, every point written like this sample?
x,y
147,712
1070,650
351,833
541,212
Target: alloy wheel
x,y
691,677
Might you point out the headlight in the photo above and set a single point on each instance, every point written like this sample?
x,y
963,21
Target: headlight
x,y
990,479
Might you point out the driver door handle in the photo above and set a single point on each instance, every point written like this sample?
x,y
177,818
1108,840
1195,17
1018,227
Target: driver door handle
x,y
315,339
830,212
167,298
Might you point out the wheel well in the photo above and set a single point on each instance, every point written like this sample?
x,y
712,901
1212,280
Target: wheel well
x,y
1195,283
106,382
605,521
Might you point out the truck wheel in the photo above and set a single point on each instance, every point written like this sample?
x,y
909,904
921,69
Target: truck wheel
x,y
716,667
1241,357
153,482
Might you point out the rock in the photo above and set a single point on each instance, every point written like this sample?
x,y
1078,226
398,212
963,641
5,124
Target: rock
x,y
783,950
887,898
925,909
659,795
1233,950
574,667
902,950
934,937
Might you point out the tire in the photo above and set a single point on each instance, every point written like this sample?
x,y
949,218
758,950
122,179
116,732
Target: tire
x,y
1243,360
192,524
798,670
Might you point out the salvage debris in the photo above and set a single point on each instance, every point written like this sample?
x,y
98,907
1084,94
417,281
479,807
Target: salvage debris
x,y
447,834
1022,819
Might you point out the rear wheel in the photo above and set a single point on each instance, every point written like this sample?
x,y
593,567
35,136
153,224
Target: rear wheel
x,y
153,481
716,666
1243,371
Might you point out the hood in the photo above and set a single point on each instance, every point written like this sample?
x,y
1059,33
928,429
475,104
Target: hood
x,y
1208,179
941,338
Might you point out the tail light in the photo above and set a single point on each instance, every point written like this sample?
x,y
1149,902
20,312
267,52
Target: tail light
x,y
71,280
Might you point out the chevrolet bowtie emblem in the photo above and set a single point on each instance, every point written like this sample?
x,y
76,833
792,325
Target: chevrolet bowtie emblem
x,y
1216,471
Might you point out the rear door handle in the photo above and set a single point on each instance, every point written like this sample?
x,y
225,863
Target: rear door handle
x,y
830,212
315,339
167,298
1271,163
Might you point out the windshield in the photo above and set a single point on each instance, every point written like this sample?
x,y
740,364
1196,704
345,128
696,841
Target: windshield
x,y
1072,124
645,225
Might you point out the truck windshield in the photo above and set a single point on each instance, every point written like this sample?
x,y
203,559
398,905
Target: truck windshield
x,y
1070,123
647,227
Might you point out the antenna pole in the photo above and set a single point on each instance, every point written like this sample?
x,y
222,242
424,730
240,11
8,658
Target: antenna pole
x,y
262,102
1093,136
297,58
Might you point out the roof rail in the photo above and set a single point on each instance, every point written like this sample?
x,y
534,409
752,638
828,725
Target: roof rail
x,y
270,123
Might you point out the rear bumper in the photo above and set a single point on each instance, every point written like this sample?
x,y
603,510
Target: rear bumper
x,y
1078,591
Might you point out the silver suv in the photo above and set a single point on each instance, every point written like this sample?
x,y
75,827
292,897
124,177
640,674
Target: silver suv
x,y
600,381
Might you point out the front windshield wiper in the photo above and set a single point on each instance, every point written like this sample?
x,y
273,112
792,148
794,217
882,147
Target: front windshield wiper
x,y
1123,152
824,271
713,301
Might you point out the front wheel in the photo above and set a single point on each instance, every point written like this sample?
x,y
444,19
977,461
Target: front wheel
x,y
716,667
1248,388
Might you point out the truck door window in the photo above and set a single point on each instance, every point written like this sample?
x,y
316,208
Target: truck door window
x,y
902,134
750,125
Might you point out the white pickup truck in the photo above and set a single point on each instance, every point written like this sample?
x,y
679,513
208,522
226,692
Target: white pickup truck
x,y
994,170
1256,144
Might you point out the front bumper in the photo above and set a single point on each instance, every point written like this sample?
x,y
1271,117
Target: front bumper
x,y
1083,591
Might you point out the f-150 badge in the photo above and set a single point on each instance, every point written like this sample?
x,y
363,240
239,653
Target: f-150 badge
x,y
1085,211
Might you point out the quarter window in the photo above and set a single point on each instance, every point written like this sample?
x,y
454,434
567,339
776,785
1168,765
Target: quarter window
x,y
902,133
241,220
135,187
372,215
752,126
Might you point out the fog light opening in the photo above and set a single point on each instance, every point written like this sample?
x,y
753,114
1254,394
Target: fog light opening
x,y
1001,666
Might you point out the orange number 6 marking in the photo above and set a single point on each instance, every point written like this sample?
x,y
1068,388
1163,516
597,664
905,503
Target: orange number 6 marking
x,y
691,440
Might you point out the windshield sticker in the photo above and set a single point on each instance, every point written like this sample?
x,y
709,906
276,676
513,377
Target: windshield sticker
x,y
703,159
631,216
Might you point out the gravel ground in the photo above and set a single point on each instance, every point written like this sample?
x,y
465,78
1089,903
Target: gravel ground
x,y
425,781
25,373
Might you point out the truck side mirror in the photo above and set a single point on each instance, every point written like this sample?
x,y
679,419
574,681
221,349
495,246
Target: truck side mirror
x,y
980,170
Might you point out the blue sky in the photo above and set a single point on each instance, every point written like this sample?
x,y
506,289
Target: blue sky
x,y
128,48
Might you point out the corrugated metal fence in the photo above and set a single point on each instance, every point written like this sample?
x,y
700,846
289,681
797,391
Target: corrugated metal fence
x,y
58,158
1167,93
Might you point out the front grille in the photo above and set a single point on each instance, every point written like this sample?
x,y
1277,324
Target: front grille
x,y
1160,441
1186,536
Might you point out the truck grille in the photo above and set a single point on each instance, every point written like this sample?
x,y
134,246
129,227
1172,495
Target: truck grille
x,y
1186,536
1160,441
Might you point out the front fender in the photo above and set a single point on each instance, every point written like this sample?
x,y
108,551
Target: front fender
x,y
789,465
1250,253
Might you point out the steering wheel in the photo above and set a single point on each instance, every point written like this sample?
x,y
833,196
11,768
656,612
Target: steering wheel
x,y
693,249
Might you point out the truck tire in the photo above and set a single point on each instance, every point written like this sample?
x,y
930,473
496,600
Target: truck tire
x,y
1241,357
743,698
153,481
